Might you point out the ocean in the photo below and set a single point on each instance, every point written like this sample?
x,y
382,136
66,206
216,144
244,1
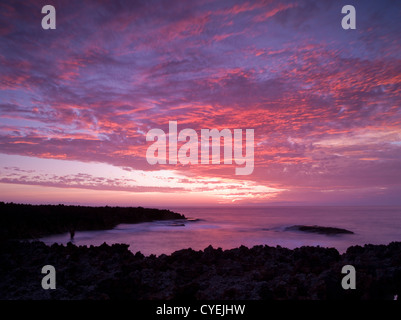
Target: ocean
x,y
231,227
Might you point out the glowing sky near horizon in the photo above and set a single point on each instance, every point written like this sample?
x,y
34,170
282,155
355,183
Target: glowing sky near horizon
x,y
76,102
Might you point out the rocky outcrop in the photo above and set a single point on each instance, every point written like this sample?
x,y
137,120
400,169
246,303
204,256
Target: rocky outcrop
x,y
261,272
319,229
22,221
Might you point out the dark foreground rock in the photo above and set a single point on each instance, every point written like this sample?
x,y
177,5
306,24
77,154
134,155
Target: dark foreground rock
x,y
261,272
319,229
24,221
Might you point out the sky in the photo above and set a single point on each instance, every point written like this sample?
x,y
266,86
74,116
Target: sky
x,y
77,102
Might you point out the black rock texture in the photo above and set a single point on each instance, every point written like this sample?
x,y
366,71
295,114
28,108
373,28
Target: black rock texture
x,y
258,273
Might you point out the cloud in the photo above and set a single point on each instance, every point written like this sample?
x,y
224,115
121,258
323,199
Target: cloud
x,y
63,174
324,103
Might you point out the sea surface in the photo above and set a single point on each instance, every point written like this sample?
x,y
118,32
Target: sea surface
x,y
231,227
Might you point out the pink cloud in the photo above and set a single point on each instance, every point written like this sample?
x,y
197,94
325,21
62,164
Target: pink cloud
x,y
326,114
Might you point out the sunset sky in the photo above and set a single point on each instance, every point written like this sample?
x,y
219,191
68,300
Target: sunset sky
x,y
324,103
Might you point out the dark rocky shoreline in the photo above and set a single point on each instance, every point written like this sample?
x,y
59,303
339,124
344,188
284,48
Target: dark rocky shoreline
x,y
24,221
258,273
114,272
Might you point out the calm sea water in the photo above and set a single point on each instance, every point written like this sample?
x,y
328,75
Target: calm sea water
x,y
232,227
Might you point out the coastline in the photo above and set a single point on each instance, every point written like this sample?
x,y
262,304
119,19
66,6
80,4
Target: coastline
x,y
258,273
24,221
114,272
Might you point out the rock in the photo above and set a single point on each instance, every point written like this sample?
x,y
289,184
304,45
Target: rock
x,y
261,272
319,229
24,221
